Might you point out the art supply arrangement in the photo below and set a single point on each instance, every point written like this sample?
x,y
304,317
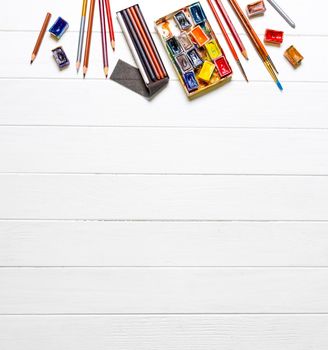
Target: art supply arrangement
x,y
256,42
194,50
56,31
188,38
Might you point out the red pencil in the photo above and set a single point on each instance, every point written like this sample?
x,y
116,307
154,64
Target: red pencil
x,y
232,28
110,24
226,36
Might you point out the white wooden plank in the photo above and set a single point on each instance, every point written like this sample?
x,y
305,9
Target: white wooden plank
x,y
271,332
165,290
163,151
139,197
153,10
257,105
314,67
162,244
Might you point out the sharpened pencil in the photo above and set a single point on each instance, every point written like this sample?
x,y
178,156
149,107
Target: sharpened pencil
x,y
89,37
256,42
250,30
103,36
226,36
110,24
232,28
81,35
40,37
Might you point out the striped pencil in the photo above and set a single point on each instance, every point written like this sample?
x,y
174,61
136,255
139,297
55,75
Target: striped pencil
x,y
81,36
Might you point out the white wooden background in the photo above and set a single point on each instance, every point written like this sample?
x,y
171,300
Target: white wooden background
x,y
164,225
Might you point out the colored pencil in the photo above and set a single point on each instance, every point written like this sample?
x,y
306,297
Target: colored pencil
x,y
40,37
256,41
81,35
226,36
150,39
250,30
89,37
110,24
232,28
282,13
103,36
144,41
146,64
132,47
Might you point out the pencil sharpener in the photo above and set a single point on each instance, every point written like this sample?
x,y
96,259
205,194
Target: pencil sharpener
x,y
60,58
58,28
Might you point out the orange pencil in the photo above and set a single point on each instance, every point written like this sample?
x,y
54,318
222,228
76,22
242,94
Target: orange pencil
x,y
226,36
250,31
89,36
40,37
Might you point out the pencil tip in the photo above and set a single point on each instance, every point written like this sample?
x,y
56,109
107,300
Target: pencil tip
x,y
242,70
85,69
33,57
113,45
78,66
244,53
106,71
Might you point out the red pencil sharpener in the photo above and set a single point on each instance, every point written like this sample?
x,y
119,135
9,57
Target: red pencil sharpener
x,y
274,37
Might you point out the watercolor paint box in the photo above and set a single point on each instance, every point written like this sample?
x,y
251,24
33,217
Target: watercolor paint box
x,y
194,50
